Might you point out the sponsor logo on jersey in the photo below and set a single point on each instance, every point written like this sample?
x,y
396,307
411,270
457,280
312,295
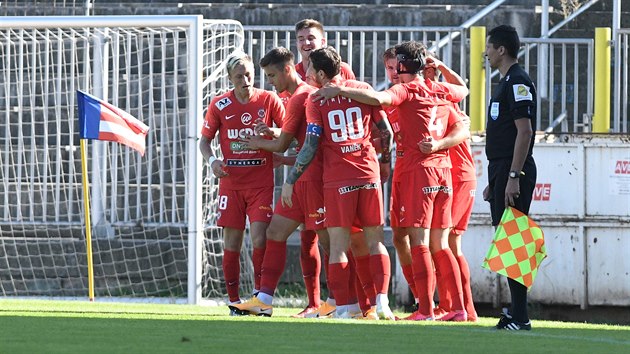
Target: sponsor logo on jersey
x,y
246,118
246,162
238,146
395,127
261,113
265,207
521,93
348,189
229,117
472,192
622,167
222,103
350,148
436,189
239,133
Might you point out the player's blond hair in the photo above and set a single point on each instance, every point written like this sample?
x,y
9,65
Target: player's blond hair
x,y
237,58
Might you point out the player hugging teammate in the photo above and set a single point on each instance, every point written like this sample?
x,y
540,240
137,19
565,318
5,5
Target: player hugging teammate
x,y
334,186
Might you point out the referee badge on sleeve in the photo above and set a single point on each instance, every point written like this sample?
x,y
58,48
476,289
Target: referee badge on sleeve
x,y
522,93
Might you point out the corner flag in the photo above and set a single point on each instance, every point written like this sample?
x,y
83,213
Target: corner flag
x,y
103,121
518,248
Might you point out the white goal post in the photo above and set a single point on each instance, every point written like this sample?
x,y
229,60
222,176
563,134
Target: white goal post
x,y
152,216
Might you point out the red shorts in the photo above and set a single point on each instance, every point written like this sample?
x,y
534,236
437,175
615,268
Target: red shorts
x,y
394,204
352,205
427,202
463,200
235,205
308,205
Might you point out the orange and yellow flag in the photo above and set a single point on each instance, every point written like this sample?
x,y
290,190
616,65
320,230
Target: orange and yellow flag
x,y
518,248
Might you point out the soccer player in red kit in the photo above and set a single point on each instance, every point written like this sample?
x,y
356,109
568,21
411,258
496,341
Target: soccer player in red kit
x,y
352,189
425,113
464,181
401,238
245,176
311,36
308,201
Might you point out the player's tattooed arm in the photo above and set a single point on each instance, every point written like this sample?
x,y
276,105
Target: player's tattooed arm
x,y
307,153
387,140
304,158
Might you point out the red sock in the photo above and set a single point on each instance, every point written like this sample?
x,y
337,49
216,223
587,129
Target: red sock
x,y
465,276
365,278
364,302
381,270
273,266
444,295
423,277
339,280
449,270
353,297
311,265
257,259
407,270
231,273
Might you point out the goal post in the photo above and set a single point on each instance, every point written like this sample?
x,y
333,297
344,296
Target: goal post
x,y
153,233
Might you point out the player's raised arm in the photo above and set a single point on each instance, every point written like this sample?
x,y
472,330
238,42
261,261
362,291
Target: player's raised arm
x,y
367,96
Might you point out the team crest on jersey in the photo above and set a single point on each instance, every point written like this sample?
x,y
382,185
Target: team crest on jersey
x,y
521,93
222,103
246,118
261,113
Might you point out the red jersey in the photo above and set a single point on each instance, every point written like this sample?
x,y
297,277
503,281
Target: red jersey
x,y
349,157
425,112
392,117
295,123
234,120
345,71
461,158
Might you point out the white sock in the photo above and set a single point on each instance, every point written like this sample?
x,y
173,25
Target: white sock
x,y
342,309
382,299
265,298
354,308
234,302
332,302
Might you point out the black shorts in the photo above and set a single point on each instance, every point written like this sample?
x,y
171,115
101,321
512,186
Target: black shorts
x,y
498,174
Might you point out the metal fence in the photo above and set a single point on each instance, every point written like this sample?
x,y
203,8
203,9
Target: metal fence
x,y
621,82
562,70
565,98
363,47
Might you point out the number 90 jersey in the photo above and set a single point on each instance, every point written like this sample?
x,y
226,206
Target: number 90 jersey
x,y
349,157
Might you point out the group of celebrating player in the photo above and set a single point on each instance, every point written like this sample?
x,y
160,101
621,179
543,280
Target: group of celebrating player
x,y
345,132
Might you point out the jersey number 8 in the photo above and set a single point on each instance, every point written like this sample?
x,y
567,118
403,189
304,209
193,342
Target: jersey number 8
x,y
348,124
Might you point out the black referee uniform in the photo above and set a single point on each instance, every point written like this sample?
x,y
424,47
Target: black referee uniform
x,y
514,98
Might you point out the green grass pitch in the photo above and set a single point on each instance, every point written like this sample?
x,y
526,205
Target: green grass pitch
x,y
41,326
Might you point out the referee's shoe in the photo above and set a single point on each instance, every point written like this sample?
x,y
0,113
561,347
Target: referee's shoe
x,y
506,322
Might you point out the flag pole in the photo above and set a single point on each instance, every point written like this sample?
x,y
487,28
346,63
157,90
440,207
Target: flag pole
x,y
88,226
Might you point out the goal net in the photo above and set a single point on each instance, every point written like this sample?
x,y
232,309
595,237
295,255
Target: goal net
x,y
146,211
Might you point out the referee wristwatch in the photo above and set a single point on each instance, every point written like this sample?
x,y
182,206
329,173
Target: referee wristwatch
x,y
516,174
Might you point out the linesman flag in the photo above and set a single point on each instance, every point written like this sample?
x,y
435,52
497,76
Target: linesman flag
x,y
103,121
518,248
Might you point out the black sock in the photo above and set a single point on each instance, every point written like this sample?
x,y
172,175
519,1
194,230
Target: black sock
x,y
518,292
